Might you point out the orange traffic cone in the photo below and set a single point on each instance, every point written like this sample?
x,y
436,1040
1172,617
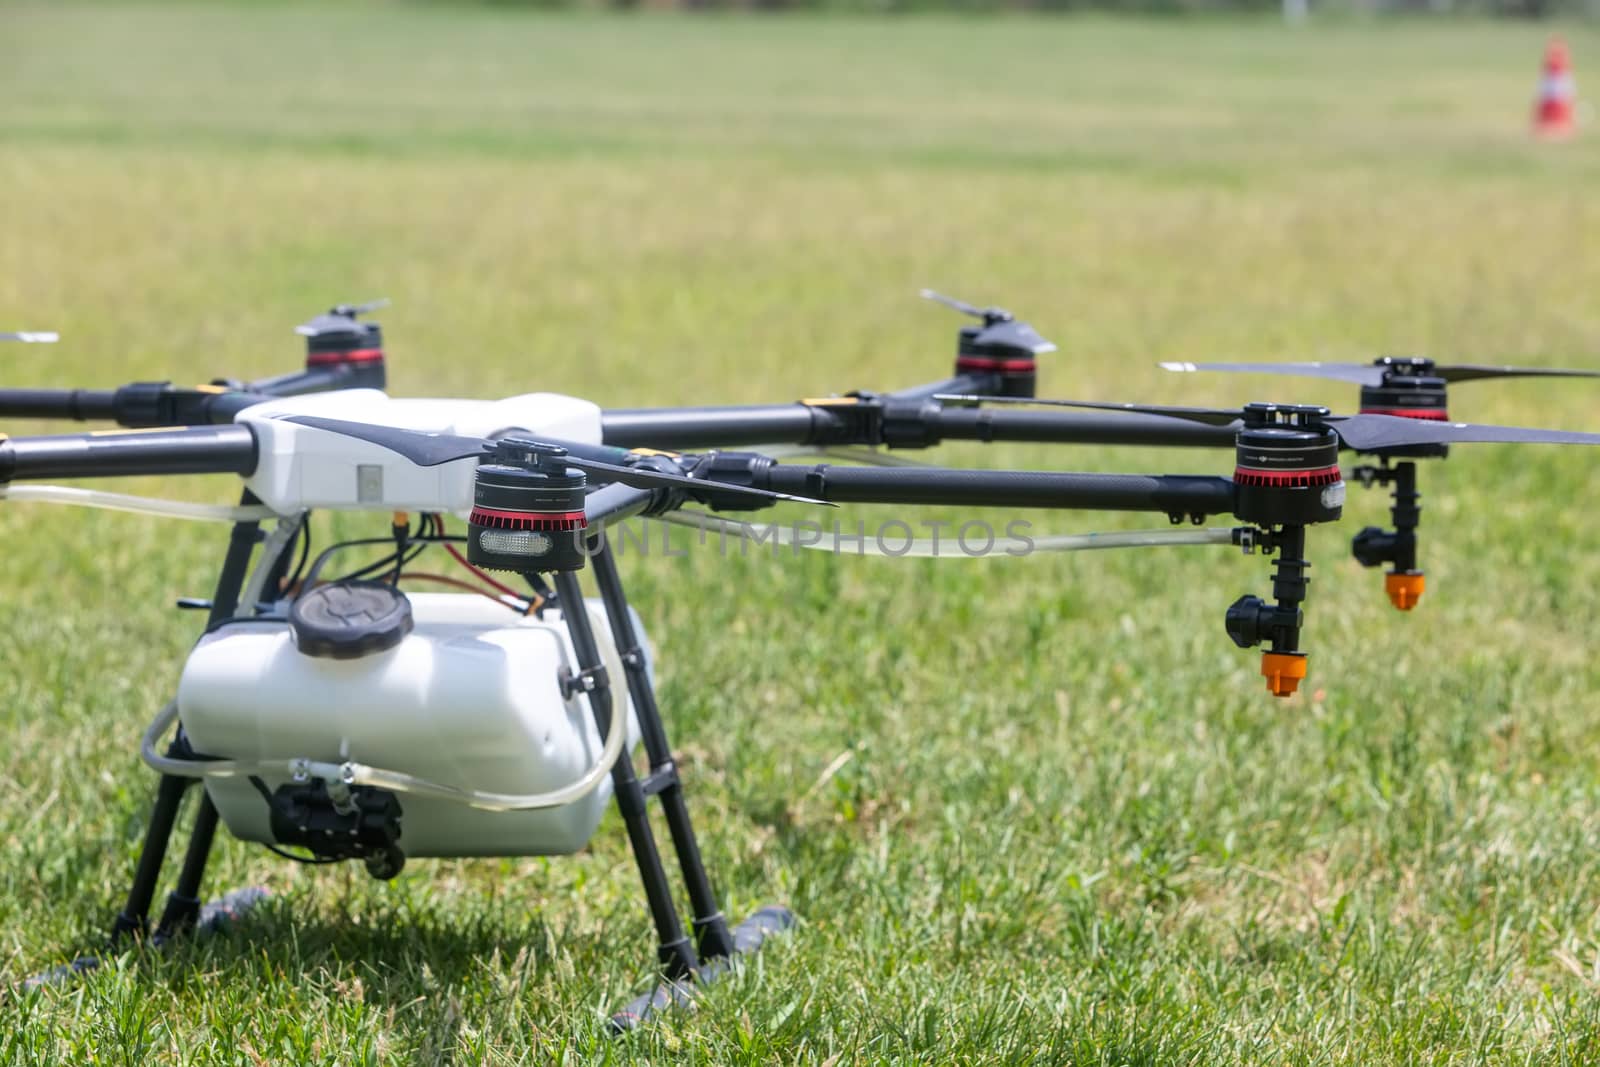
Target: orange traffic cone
x,y
1553,116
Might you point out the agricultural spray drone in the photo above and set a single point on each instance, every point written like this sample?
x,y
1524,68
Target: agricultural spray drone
x,y
347,716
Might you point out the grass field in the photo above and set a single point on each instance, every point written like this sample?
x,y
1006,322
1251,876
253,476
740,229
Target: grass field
x,y
1072,826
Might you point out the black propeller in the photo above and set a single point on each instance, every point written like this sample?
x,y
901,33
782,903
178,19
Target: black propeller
x,y
1374,374
38,337
1000,328
341,318
1364,433
432,449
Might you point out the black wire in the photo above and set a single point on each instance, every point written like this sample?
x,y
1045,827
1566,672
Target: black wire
x,y
327,553
309,861
290,582
393,559
419,541
402,538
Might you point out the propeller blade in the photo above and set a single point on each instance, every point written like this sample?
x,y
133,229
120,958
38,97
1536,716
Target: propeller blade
x,y
648,478
432,449
37,337
951,302
325,324
1210,416
1360,373
1468,372
362,309
1366,433
423,449
1372,374
329,323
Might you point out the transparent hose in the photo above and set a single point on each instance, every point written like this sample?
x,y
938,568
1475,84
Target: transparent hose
x,y
947,548
271,548
351,773
96,498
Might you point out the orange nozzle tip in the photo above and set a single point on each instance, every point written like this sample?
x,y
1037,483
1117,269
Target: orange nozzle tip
x,y
1283,672
1404,589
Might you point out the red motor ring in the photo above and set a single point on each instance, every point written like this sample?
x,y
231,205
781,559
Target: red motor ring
x,y
1432,414
1287,479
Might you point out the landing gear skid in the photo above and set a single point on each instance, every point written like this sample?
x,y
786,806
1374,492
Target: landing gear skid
x,y
748,936
684,962
213,917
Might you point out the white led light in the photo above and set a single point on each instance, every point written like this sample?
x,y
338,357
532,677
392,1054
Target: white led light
x,y
516,542
1333,495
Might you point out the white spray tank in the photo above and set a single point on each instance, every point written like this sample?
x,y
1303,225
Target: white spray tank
x,y
471,698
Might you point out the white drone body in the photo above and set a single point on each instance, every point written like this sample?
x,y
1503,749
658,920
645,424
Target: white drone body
x,y
301,467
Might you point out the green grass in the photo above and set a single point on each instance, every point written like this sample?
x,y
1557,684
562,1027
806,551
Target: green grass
x,y
1072,827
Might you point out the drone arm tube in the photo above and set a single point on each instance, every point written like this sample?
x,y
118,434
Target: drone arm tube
x,y
138,405
722,427
370,375
144,404
1012,424
615,503
900,421
1165,494
78,404
183,450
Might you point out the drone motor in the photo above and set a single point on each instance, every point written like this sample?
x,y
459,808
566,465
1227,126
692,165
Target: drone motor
x,y
337,338
1409,389
527,510
1001,345
1287,467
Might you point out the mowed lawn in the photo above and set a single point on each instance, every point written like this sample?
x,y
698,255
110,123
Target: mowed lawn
x,y
1065,822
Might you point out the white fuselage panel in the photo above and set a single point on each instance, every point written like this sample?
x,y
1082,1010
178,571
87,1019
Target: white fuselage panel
x,y
300,467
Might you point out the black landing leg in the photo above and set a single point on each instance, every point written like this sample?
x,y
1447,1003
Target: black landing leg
x,y
716,942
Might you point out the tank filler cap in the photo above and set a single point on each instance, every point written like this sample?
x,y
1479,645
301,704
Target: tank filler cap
x,y
348,620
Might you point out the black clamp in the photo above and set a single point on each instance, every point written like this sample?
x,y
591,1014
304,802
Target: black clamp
x,y
145,404
853,419
1368,476
1253,539
587,680
745,469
